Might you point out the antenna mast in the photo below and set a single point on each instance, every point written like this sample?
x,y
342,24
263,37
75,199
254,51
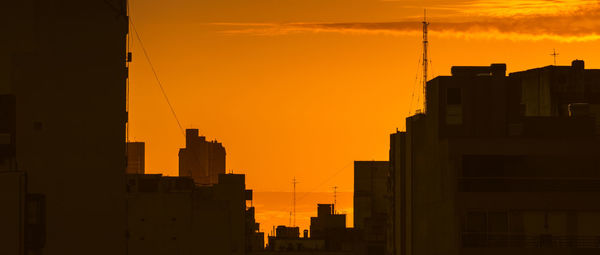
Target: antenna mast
x,y
554,54
425,60
294,206
334,197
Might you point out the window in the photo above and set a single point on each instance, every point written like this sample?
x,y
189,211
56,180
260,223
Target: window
x,y
453,96
476,222
497,222
453,106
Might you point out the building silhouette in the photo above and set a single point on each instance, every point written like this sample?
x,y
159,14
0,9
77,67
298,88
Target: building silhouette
x,y
372,203
202,160
328,236
287,239
560,90
136,158
64,65
500,164
171,215
331,227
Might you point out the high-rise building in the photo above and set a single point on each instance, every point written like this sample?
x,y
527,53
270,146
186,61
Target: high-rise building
x,y
65,64
202,160
497,165
372,203
136,158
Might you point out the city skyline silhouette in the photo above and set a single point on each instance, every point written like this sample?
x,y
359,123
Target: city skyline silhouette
x,y
300,127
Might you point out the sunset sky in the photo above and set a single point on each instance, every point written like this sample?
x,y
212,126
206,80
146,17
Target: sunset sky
x,y
305,87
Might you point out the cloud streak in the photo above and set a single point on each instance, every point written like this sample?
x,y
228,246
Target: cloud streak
x,y
576,24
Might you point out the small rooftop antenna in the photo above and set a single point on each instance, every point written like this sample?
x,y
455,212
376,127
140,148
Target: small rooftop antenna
x,y
425,61
334,197
554,55
294,206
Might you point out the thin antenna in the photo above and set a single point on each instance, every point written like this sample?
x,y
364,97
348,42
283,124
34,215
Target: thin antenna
x,y
425,61
334,197
294,207
554,54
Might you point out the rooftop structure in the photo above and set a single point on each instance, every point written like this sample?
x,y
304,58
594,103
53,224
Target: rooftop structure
x,y
499,164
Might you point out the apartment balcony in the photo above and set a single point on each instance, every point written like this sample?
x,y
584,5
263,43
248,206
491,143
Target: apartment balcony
x,y
512,240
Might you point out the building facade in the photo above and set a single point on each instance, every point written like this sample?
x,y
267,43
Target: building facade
x,y
171,215
372,203
65,64
136,158
202,160
494,167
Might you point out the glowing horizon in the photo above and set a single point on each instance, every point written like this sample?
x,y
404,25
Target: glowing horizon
x,y
291,91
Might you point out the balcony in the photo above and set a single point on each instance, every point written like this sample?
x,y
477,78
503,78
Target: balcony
x,y
512,240
498,184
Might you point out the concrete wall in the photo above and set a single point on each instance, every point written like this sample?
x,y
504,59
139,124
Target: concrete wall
x,y
12,199
65,62
370,190
164,219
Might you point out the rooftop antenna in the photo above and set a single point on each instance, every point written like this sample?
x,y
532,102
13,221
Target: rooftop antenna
x,y
425,61
294,207
334,197
554,55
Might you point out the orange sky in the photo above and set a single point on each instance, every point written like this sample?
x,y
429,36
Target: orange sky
x,y
304,87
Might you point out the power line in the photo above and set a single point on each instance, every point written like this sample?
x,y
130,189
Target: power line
x,y
156,76
326,180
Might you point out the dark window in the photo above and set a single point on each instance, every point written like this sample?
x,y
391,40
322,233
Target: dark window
x,y
476,222
453,96
497,222
37,126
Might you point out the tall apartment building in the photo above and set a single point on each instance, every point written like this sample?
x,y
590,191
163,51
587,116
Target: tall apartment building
x,y
65,64
500,164
371,203
170,215
202,160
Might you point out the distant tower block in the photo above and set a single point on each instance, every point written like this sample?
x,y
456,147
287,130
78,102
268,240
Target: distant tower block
x,y
136,158
200,159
